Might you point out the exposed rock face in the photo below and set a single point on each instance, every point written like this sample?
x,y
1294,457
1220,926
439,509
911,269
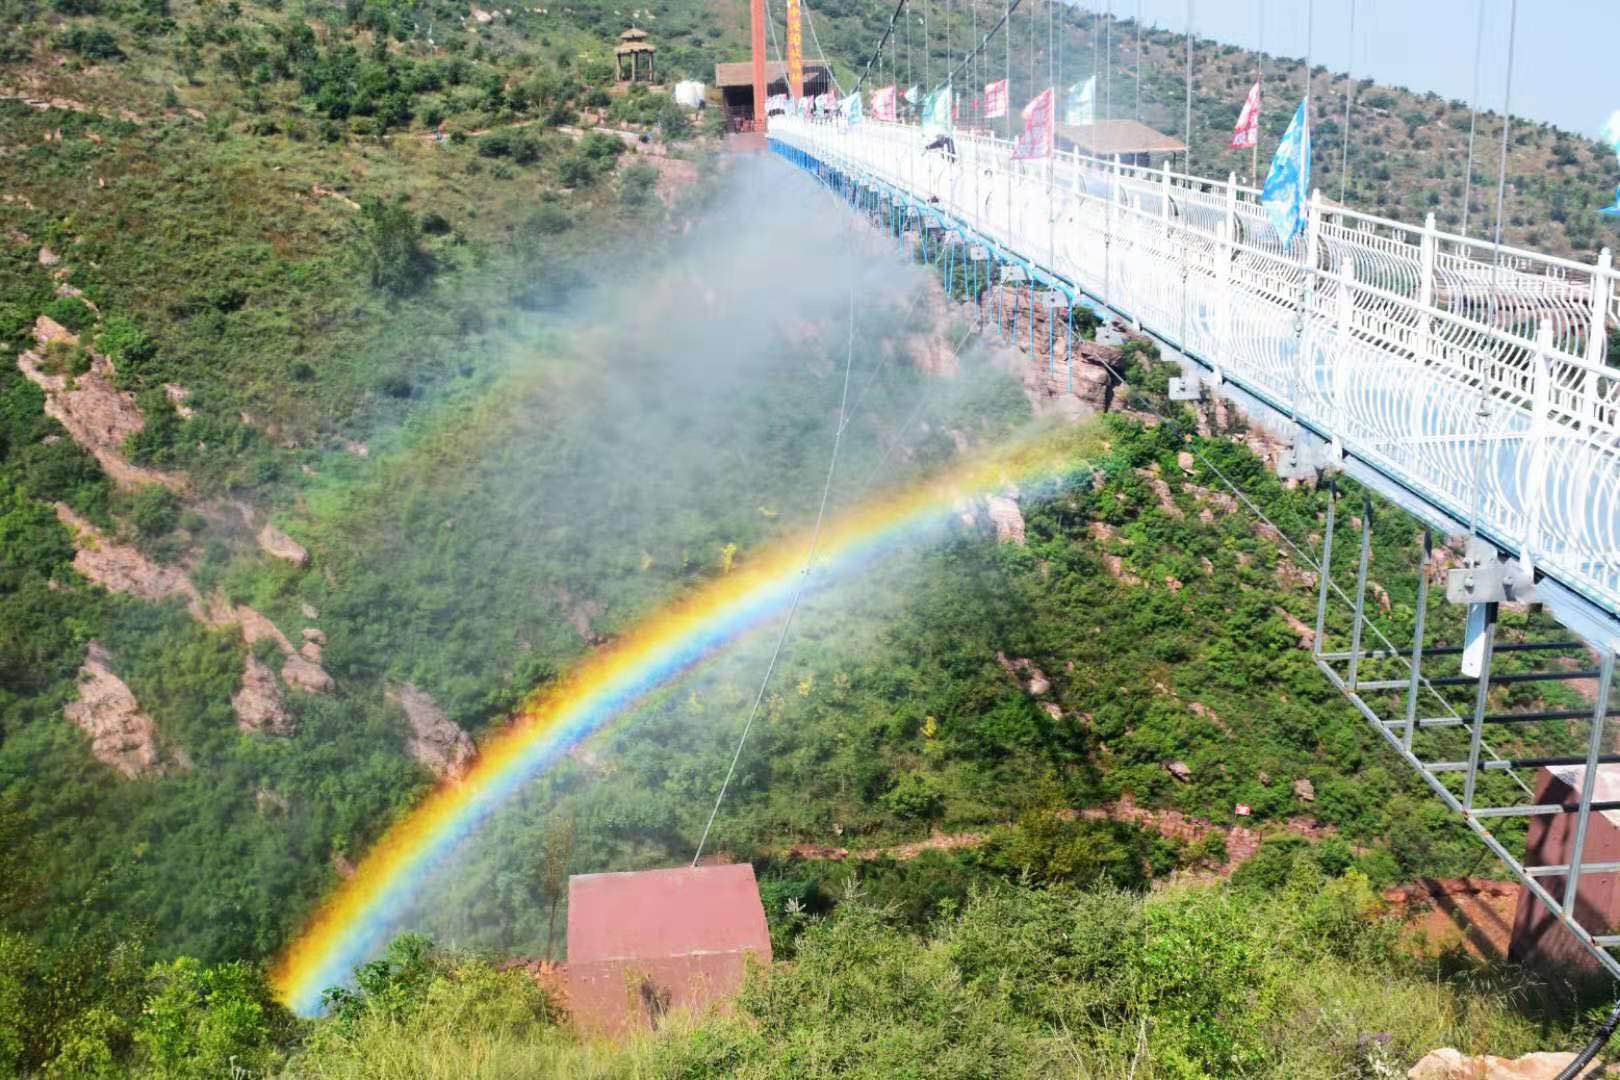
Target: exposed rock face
x,y
120,567
1180,770
1306,635
121,735
1304,790
258,703
302,674
1449,1064
281,546
98,416
1026,674
1005,516
435,742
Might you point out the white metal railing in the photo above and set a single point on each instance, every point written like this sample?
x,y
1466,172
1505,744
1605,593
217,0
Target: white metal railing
x,y
1474,375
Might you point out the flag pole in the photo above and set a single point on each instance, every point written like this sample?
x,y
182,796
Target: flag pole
x,y
1259,78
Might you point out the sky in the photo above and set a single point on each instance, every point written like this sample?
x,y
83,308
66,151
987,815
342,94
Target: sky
x,y
1565,68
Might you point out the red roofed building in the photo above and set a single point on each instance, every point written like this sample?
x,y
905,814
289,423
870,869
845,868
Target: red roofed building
x,y
641,944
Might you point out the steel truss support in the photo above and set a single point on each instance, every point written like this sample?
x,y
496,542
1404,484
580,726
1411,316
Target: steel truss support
x,y
1392,706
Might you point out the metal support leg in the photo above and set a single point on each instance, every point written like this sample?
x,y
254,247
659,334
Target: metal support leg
x,y
1594,744
1361,590
1481,693
1417,638
1325,575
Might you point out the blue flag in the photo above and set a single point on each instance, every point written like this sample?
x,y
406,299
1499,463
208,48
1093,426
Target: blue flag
x,y
1289,183
1611,135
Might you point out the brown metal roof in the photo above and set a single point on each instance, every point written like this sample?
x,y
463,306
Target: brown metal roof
x,y
1109,137
742,72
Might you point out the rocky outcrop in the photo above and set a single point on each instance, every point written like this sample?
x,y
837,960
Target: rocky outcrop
x,y
1306,635
121,568
258,704
279,545
121,735
1449,1064
439,745
301,673
1006,517
97,415
1024,672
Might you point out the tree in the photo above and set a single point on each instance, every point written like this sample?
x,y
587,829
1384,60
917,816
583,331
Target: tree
x,y
391,244
556,852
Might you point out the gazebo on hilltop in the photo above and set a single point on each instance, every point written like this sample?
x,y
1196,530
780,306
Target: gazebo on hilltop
x,y
633,43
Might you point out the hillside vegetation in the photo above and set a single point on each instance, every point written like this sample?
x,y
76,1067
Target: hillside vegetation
x,y
377,431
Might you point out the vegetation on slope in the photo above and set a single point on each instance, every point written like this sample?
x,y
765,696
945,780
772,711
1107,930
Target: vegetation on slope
x,y
255,202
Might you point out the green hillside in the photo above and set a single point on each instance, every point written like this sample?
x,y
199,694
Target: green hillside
x,y
366,365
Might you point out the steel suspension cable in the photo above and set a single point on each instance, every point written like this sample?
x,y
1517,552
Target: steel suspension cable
x,y
1188,127
882,41
1349,93
1108,63
809,20
798,592
1473,117
1496,262
1006,17
1138,61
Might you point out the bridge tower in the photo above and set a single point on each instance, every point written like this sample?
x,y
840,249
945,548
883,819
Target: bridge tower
x,y
756,9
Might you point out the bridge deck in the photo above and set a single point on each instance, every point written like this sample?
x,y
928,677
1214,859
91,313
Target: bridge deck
x,y
1473,377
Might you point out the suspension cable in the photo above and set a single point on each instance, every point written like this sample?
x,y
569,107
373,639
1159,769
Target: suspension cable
x,y
1349,94
1188,154
1108,63
798,592
1139,61
884,40
1473,117
988,34
1496,263
810,21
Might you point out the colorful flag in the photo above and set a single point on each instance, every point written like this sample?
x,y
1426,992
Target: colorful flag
x,y
1289,183
883,104
1036,141
1247,132
826,102
995,99
1611,135
851,108
1082,104
936,111
912,94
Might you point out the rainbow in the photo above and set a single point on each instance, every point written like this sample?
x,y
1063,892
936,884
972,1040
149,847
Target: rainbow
x,y
350,925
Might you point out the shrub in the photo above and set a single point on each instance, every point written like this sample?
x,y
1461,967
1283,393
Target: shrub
x,y
636,184
206,1022
126,342
155,510
71,312
917,796
391,248
91,42
549,220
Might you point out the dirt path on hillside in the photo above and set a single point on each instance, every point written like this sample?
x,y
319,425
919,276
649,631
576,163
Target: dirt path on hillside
x,y
1242,842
